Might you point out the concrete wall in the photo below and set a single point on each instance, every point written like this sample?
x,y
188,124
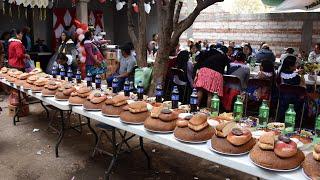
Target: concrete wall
x,y
279,30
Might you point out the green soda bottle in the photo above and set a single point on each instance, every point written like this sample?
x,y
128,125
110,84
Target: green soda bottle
x,y
238,109
316,138
290,119
215,105
263,114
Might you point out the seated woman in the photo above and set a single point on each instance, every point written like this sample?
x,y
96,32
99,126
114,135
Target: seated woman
x,y
239,69
289,75
186,66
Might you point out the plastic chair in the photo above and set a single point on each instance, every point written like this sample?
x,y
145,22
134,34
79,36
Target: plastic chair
x,y
257,83
296,91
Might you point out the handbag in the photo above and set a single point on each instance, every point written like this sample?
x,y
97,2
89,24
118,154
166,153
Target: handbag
x,y
144,75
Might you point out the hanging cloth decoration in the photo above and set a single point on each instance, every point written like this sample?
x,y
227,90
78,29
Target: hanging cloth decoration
x,y
147,7
135,7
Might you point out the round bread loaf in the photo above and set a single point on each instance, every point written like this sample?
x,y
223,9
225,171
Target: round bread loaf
x,y
187,134
88,105
167,117
37,88
61,96
223,145
48,92
155,124
26,85
268,159
112,110
135,118
76,100
311,167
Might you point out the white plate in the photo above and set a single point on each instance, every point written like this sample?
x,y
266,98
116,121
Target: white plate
x,y
183,115
111,115
60,99
132,123
36,91
47,95
160,132
91,109
228,154
276,170
72,104
298,142
190,142
305,175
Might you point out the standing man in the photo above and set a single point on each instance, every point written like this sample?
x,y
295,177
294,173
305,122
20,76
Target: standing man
x,y
314,56
127,62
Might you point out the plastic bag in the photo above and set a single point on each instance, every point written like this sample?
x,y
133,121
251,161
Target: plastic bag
x,y
144,75
29,65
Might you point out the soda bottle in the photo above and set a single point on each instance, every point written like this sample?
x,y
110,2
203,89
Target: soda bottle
x,y
131,86
194,101
238,109
54,71
62,73
140,90
263,114
215,105
316,138
115,85
175,98
98,81
159,93
126,87
290,119
89,79
78,76
69,74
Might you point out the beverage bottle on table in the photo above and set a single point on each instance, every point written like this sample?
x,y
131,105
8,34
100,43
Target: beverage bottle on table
x,y
98,81
69,74
62,73
54,72
131,86
238,109
194,101
78,76
316,138
140,90
115,85
159,93
263,114
290,119
215,105
175,98
89,79
126,87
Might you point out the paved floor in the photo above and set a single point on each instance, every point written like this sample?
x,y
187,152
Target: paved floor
x,y
19,159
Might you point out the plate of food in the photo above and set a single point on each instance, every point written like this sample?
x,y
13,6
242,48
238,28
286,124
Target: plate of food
x,y
224,153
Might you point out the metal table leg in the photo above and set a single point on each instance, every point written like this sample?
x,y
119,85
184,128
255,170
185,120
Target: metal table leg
x,y
92,130
115,154
61,134
145,152
46,109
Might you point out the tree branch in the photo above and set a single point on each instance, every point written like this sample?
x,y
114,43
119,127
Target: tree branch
x,y
131,26
187,22
177,14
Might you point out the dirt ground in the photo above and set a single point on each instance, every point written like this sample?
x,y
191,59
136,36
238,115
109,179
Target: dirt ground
x,y
19,159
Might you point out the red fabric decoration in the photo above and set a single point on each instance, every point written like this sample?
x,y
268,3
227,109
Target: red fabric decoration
x,y
102,1
136,9
98,18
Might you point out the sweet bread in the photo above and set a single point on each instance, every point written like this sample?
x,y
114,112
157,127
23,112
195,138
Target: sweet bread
x,y
239,136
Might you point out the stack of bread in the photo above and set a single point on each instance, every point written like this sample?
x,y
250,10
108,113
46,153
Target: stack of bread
x,y
114,106
161,120
39,84
137,113
232,140
30,81
35,71
281,154
94,101
50,89
311,165
64,92
196,130
21,79
80,96
13,75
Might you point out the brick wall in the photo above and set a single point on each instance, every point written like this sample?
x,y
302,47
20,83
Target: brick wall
x,y
279,30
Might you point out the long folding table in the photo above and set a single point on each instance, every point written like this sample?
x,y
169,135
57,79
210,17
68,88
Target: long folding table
x,y
240,163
